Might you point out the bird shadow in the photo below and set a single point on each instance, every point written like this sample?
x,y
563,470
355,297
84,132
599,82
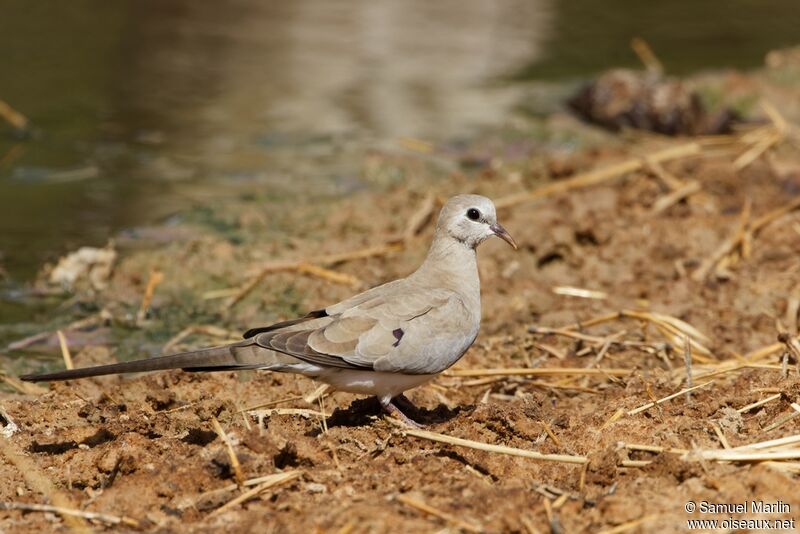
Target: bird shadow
x,y
362,412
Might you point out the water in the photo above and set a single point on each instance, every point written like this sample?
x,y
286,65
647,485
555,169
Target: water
x,y
142,107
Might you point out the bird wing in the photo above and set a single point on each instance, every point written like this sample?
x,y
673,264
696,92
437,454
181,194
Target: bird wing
x,y
360,332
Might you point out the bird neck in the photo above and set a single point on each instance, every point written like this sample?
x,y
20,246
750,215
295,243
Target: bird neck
x,y
452,264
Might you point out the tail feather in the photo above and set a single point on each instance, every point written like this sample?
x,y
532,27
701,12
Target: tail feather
x,y
206,359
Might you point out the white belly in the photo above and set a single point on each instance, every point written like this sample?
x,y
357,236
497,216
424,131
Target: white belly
x,y
383,385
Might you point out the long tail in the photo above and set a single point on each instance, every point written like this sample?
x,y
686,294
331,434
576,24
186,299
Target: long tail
x,y
213,359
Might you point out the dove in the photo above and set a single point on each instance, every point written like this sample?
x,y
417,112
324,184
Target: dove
x,y
382,342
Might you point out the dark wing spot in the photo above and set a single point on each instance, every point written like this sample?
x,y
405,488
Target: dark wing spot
x,y
398,333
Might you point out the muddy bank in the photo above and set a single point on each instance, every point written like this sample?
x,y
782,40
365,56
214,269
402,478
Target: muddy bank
x,y
700,244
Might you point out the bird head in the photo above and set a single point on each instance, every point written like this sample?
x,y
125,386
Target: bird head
x,y
471,219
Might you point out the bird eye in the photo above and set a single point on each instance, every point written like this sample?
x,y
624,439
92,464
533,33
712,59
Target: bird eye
x,y
473,214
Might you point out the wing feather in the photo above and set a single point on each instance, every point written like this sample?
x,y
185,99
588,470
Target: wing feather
x,y
356,333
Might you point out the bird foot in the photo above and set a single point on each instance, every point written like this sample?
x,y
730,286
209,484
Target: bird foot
x,y
394,411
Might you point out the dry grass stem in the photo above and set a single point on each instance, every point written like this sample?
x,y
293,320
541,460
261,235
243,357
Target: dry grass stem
x,y
735,455
598,176
314,266
667,201
726,247
62,341
428,509
12,116
782,420
271,403
270,482
654,448
208,330
72,512
757,404
540,371
687,361
647,56
667,398
231,487
26,388
630,525
329,275
421,218
235,465
38,481
312,397
614,417
580,292
672,182
559,354
550,433
721,436
500,449
76,325
303,412
155,278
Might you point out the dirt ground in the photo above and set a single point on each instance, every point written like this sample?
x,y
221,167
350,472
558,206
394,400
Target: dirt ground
x,y
145,448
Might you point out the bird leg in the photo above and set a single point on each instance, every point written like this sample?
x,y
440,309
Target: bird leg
x,y
402,402
394,411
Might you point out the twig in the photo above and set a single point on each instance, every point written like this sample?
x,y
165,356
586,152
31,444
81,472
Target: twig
x,y
62,341
235,465
501,449
428,509
64,511
597,176
274,480
667,398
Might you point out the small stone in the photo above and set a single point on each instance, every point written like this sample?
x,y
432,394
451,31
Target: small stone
x,y
315,487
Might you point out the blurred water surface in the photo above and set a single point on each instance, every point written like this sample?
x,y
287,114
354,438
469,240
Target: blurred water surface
x,y
141,107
